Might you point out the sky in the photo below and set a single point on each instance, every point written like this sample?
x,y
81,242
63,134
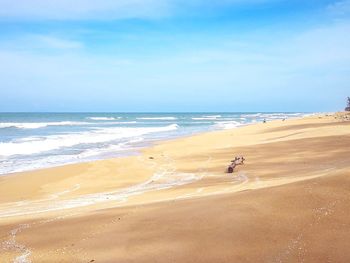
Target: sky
x,y
174,55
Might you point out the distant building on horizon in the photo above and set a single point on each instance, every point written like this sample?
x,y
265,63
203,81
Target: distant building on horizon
x,y
348,106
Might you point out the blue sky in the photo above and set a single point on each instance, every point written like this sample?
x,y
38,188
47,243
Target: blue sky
x,y
174,55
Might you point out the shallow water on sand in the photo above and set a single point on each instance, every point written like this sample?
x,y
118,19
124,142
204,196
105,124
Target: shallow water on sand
x,y
31,141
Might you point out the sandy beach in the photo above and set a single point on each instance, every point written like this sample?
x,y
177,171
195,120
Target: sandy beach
x,y
289,202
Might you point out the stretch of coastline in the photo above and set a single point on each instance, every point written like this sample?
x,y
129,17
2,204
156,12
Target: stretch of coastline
x,y
32,141
174,202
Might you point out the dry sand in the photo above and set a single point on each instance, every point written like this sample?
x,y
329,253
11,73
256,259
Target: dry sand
x,y
289,202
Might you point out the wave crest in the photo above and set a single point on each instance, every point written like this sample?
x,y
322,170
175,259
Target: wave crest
x,y
33,145
37,125
104,118
157,118
227,124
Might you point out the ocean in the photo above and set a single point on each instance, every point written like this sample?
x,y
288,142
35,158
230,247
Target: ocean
x,y
30,141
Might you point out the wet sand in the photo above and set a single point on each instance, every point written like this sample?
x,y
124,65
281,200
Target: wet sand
x,y
289,202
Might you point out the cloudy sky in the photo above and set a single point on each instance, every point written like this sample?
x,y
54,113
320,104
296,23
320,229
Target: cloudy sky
x,y
174,55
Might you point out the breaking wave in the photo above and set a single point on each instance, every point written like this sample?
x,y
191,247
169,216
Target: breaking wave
x,y
37,125
227,124
104,118
207,117
157,118
32,145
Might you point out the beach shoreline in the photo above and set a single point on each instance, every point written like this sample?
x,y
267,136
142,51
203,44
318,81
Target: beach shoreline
x,y
16,176
37,141
176,179
138,150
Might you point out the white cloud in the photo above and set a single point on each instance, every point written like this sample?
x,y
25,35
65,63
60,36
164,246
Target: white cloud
x,y
323,47
315,60
82,9
109,9
55,42
36,42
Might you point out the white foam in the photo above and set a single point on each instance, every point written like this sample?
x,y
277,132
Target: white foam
x,y
99,151
53,142
92,153
124,122
15,166
157,118
13,245
112,123
159,181
104,118
273,115
213,116
23,258
207,117
37,125
227,124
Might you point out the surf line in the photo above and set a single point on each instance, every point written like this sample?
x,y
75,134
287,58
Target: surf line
x,y
12,245
164,179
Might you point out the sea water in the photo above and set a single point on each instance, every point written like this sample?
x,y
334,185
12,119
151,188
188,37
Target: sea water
x,y
31,141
